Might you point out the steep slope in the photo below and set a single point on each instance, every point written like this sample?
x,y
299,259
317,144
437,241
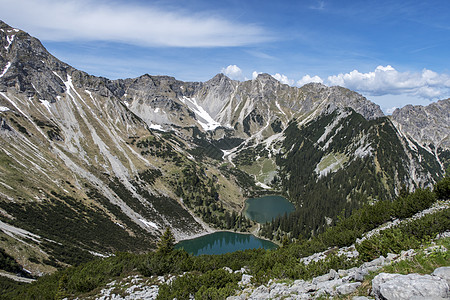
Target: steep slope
x,y
339,161
427,125
254,108
264,106
79,171
82,155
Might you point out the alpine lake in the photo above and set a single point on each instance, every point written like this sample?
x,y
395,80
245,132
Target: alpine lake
x,y
261,210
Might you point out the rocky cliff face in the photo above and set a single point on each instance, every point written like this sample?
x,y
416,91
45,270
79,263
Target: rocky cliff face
x,y
248,107
428,126
77,169
130,157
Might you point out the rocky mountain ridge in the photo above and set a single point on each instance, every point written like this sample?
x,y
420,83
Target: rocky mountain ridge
x,y
83,154
428,126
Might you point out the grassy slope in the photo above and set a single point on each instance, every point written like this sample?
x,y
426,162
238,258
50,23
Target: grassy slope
x,y
264,265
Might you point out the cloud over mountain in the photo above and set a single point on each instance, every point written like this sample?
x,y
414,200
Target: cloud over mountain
x,y
131,23
387,80
308,79
233,71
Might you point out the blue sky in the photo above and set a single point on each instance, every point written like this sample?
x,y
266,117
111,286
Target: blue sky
x,y
393,52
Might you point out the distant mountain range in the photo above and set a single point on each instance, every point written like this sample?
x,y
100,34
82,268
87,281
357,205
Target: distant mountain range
x,y
90,166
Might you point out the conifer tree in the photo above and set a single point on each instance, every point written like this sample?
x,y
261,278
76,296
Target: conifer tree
x,y
167,242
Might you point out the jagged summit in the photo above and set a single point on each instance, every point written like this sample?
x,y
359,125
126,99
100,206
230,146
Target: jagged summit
x,y
218,78
263,77
426,124
130,157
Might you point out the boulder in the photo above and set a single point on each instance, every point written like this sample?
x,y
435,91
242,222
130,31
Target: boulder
x,y
278,289
360,274
347,288
380,261
333,275
328,287
245,280
397,287
391,257
260,292
444,273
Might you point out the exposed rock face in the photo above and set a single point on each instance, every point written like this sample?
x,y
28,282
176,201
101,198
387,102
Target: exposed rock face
x,y
443,272
384,286
426,124
70,153
398,287
69,136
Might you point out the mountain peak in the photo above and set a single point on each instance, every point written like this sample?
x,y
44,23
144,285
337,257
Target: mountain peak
x,y
219,78
426,124
265,77
5,26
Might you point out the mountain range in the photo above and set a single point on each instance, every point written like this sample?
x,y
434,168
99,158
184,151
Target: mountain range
x,y
90,166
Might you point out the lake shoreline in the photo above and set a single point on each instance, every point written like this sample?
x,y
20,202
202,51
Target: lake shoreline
x,y
224,241
266,208
254,231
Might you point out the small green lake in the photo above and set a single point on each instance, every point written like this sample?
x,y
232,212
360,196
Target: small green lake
x,y
223,242
264,209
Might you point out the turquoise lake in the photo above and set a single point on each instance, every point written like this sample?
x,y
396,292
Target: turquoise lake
x,y
223,242
264,209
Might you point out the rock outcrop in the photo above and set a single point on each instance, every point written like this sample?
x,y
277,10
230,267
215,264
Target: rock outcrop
x,y
412,286
429,125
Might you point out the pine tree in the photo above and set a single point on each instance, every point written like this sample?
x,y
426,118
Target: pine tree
x,y
167,242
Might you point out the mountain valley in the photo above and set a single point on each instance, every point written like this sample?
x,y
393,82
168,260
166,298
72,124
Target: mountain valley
x,y
91,166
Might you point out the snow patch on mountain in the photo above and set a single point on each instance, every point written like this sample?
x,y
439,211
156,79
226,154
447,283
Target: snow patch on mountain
x,y
203,118
46,103
279,107
10,39
8,65
149,223
264,186
157,127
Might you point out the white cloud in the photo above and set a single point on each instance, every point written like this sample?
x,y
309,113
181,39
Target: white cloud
x,y
387,80
255,74
283,79
131,23
233,71
307,79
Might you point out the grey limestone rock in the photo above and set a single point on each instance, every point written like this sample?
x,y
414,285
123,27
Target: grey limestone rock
x,y
261,292
360,274
347,288
443,273
328,287
426,124
333,274
398,287
278,289
245,280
